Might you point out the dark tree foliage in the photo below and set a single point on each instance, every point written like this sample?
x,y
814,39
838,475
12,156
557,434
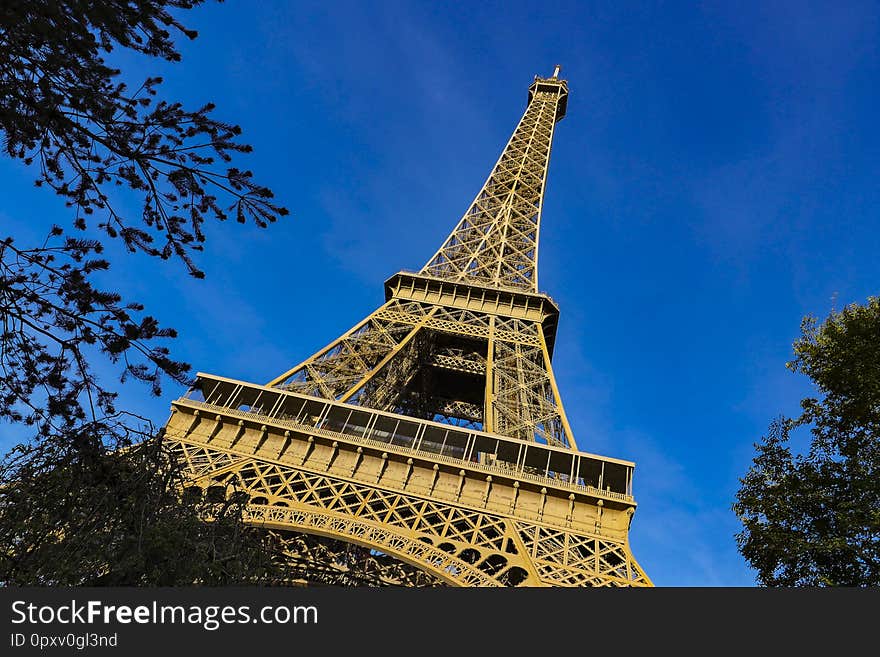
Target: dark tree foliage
x,y
814,519
63,109
75,514
104,146
54,321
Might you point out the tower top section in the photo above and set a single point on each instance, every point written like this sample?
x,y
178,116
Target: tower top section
x,y
496,242
552,85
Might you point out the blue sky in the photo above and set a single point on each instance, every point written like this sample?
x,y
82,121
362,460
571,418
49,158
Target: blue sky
x,y
713,181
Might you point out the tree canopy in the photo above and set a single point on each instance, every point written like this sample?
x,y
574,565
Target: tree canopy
x,y
93,517
813,519
148,173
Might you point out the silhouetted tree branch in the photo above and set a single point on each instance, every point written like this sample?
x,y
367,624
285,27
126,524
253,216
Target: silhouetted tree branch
x,y
95,496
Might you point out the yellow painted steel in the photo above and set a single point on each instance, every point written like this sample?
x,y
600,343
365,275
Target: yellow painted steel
x,y
428,445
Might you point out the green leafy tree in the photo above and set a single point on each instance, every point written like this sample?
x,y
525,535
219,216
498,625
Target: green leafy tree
x,y
75,496
813,519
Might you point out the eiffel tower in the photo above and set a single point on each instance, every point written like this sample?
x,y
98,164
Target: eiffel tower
x,y
428,445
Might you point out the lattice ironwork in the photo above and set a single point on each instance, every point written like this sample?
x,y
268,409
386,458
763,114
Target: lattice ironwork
x,y
496,241
314,560
428,445
402,533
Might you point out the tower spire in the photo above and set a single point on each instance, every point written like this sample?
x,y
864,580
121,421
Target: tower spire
x,y
496,241
481,287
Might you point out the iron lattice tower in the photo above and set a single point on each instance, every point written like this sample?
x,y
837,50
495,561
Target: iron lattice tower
x,y
428,445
